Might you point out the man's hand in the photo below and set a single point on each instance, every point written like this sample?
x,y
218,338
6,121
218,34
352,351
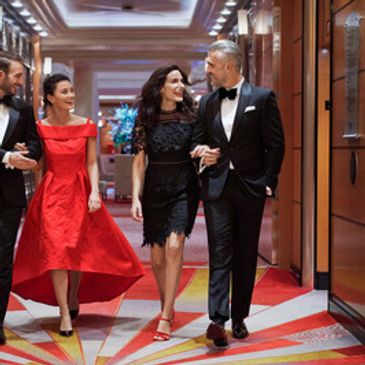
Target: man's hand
x,y
199,151
18,160
210,156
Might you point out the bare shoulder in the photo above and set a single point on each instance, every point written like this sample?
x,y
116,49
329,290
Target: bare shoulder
x,y
77,119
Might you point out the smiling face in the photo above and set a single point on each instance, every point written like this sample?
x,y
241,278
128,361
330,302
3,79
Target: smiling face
x,y
13,79
217,69
63,96
173,90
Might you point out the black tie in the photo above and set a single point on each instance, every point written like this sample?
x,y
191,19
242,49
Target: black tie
x,y
224,93
6,100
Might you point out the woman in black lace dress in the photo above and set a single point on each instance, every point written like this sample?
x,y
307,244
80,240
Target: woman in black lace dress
x,y
167,185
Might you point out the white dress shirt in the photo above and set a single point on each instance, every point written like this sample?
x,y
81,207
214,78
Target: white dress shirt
x,y
4,121
228,112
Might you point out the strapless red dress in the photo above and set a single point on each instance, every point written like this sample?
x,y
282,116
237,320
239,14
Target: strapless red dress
x,y
60,233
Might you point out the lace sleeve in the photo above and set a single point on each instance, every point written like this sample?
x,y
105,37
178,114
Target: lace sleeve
x,y
139,137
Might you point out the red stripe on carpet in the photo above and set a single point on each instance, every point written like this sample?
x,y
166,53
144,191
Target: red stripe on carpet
x,y
7,362
269,345
14,304
54,349
146,287
13,351
102,308
145,337
318,320
275,287
352,351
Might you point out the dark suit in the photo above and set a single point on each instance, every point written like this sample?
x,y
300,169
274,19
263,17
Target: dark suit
x,y
21,128
234,199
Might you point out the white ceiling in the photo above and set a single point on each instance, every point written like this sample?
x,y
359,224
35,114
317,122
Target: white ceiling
x,y
124,40
126,13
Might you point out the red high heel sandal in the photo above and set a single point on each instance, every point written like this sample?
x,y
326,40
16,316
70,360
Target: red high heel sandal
x,y
163,336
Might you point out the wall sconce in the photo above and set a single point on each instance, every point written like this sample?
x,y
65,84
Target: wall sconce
x,y
242,22
47,65
263,22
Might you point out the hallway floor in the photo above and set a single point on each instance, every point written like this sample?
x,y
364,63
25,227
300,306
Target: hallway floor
x,y
288,325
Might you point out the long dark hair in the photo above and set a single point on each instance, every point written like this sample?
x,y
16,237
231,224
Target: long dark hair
x,y
50,85
149,103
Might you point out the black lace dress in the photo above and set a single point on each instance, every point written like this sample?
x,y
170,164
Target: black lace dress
x,y
171,192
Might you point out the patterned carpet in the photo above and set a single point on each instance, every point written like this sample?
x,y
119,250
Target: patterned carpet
x,y
288,325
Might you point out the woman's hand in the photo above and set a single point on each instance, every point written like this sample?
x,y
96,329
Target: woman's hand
x,y
21,146
94,202
136,210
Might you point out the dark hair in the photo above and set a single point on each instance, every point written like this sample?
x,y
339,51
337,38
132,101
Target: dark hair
x,y
5,61
149,103
50,85
4,64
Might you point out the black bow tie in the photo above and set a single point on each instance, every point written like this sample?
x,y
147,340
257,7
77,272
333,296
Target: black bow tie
x,y
224,93
6,100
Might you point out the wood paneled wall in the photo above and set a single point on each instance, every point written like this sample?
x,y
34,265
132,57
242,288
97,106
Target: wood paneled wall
x,y
296,99
347,199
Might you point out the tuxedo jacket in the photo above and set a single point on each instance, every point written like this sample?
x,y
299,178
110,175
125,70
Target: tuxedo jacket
x,y
21,128
256,146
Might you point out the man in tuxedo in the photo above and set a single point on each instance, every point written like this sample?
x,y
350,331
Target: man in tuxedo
x,y
20,147
240,141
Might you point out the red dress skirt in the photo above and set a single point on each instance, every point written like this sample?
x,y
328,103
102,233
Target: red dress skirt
x,y
60,234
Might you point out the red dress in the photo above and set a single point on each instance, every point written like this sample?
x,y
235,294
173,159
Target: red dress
x,y
60,233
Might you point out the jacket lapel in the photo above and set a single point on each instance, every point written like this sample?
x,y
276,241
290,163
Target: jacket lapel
x,y
243,102
217,117
13,120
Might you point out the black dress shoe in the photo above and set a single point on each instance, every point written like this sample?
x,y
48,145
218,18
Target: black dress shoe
x,y
239,330
2,337
66,333
217,333
221,343
74,313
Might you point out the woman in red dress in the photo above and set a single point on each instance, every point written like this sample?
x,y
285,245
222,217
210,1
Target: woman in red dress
x,y
70,250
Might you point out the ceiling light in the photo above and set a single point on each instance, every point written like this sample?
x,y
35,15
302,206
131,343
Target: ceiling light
x,y
225,11
221,19
217,27
231,3
17,4
31,21
25,12
43,34
37,27
213,33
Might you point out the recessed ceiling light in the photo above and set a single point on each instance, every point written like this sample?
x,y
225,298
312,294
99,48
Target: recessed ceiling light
x,y
231,3
221,19
43,34
217,27
25,12
213,33
31,21
225,11
37,27
17,4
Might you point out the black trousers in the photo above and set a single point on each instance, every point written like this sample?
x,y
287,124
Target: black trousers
x,y
233,225
9,223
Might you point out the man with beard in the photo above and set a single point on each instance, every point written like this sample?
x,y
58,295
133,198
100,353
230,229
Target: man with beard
x,y
20,147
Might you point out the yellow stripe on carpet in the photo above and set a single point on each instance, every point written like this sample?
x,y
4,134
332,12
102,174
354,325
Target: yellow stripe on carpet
x,y
26,347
